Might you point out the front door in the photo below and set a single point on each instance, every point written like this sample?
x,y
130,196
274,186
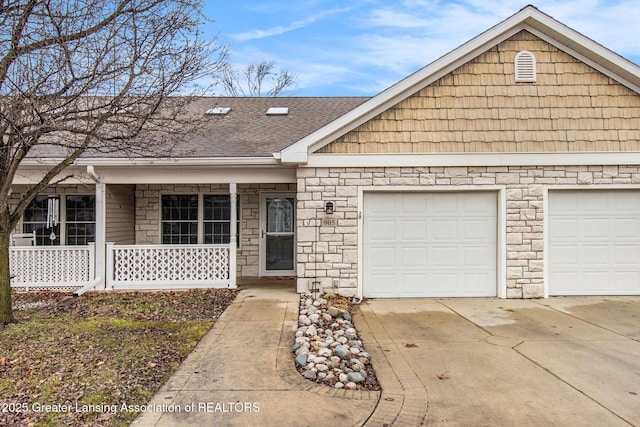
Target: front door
x,y
277,235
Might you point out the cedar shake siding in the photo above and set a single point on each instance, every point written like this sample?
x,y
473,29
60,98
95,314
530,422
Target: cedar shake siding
x,y
479,107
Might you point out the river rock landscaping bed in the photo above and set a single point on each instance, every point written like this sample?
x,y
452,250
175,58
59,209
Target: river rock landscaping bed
x,y
327,348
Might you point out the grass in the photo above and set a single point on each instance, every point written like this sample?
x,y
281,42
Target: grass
x,y
97,351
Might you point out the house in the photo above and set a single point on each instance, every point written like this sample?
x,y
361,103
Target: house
x,y
509,167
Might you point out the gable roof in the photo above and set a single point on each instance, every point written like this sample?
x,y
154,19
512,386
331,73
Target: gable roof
x,y
244,134
529,18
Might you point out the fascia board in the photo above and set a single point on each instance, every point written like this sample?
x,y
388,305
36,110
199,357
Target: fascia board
x,y
201,161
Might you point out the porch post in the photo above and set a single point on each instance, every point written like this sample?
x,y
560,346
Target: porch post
x,y
233,238
101,216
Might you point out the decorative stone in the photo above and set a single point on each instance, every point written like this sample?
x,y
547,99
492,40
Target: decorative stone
x,y
339,385
325,352
309,374
304,320
301,360
342,351
355,377
351,386
302,350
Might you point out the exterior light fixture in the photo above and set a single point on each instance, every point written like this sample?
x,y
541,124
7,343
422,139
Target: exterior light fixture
x,y
328,208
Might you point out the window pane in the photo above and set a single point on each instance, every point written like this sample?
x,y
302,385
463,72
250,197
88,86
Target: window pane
x,y
180,219
81,208
80,219
180,207
35,219
217,207
80,233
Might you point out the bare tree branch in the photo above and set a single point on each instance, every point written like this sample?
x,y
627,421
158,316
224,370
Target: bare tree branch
x,y
260,79
88,76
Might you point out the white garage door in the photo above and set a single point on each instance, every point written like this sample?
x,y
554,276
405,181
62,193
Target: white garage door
x,y
594,242
429,244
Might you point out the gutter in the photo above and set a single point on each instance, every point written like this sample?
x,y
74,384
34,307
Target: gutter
x,y
201,161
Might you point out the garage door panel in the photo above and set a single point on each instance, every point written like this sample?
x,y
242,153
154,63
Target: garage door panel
x,y
414,284
477,256
414,230
383,284
444,283
383,230
595,254
444,230
412,257
626,254
563,228
627,280
383,256
443,203
600,255
626,228
410,204
595,228
475,230
439,241
472,283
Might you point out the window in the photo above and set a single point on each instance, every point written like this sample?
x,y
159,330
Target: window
x,y
180,219
80,219
35,219
192,219
77,224
525,67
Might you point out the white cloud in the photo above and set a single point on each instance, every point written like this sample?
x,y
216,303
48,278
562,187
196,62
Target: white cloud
x,y
281,29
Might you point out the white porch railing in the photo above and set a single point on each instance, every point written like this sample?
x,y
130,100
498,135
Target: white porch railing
x,y
51,267
167,266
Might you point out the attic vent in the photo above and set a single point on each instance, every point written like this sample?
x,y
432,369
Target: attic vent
x,y
278,111
525,65
218,111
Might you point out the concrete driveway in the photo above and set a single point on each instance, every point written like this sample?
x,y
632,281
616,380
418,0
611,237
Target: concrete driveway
x,y
481,362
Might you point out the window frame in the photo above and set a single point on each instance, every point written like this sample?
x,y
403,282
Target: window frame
x,y
201,221
61,230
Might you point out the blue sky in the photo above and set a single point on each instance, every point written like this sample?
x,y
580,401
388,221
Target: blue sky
x,y
361,47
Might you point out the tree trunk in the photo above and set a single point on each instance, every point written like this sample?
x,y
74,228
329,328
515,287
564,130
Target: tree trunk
x,y
6,313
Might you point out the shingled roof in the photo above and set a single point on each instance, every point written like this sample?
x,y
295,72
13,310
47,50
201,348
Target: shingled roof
x,y
247,131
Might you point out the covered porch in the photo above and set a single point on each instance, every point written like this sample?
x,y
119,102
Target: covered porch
x,y
159,226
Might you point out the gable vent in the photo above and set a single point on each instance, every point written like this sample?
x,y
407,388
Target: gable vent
x,y
278,111
525,65
218,111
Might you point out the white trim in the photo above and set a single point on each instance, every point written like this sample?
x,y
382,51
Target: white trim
x,y
474,159
528,18
501,237
545,225
233,234
161,161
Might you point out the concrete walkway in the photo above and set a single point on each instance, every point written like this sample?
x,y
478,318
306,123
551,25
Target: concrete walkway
x,y
242,373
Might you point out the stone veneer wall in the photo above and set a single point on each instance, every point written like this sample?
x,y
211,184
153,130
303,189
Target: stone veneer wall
x,y
330,253
148,215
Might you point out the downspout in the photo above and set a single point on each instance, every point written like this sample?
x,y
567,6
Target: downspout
x,y
100,254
